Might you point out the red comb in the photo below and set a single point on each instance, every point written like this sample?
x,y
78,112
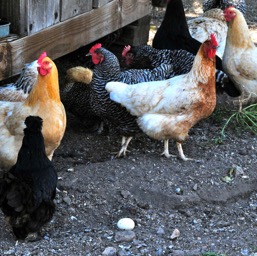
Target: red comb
x,y
214,40
96,46
41,57
125,51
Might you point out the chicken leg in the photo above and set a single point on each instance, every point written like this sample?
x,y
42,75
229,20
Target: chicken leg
x,y
124,144
181,153
166,150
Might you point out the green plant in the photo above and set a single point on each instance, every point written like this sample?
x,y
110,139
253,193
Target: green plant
x,y
247,118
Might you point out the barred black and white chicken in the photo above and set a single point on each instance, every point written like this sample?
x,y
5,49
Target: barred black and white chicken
x,y
19,90
27,191
223,4
107,68
75,96
145,56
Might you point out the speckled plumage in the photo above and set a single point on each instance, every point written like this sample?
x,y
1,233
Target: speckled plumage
x,y
181,60
19,90
120,120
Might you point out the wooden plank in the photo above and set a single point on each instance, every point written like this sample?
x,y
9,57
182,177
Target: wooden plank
x,y
73,33
15,11
100,3
133,10
136,33
42,14
72,8
5,61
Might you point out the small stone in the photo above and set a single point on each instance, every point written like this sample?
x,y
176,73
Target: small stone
x,y
109,251
125,194
175,234
179,191
178,253
160,231
125,236
195,187
67,200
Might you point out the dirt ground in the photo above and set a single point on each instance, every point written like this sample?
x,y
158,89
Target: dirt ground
x,y
212,202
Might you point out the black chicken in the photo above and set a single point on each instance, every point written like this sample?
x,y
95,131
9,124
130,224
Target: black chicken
x,y
174,34
223,4
27,191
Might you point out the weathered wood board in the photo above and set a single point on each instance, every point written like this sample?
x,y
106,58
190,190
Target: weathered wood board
x,y
30,16
72,8
42,14
100,3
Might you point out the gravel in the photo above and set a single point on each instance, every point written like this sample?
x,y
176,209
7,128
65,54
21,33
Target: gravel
x,y
206,207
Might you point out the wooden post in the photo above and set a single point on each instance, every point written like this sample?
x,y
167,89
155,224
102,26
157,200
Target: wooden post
x,y
5,61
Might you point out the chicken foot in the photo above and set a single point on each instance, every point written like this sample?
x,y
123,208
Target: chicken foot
x,y
124,144
166,150
181,153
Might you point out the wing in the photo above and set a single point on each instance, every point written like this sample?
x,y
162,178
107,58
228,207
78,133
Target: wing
x,y
247,65
150,97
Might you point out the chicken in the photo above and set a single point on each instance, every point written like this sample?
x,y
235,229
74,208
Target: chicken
x,y
75,96
168,109
43,101
19,90
222,4
27,191
240,56
211,21
145,56
174,34
107,68
94,100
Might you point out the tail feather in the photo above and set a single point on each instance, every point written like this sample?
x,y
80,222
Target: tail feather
x,y
116,90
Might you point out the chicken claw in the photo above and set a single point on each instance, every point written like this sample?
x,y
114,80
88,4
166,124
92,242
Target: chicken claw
x,y
166,150
124,144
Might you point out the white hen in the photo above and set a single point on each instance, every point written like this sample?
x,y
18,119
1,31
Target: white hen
x,y
211,21
240,56
168,109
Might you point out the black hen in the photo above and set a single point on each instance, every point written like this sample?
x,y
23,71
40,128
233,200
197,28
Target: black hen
x,y
174,34
223,4
27,191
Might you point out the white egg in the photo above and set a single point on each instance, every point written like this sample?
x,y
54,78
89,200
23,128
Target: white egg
x,y
126,224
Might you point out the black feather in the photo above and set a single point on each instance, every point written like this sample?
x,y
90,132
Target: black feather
x,y
27,191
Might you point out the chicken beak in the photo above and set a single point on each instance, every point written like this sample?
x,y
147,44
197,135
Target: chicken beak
x,y
88,54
